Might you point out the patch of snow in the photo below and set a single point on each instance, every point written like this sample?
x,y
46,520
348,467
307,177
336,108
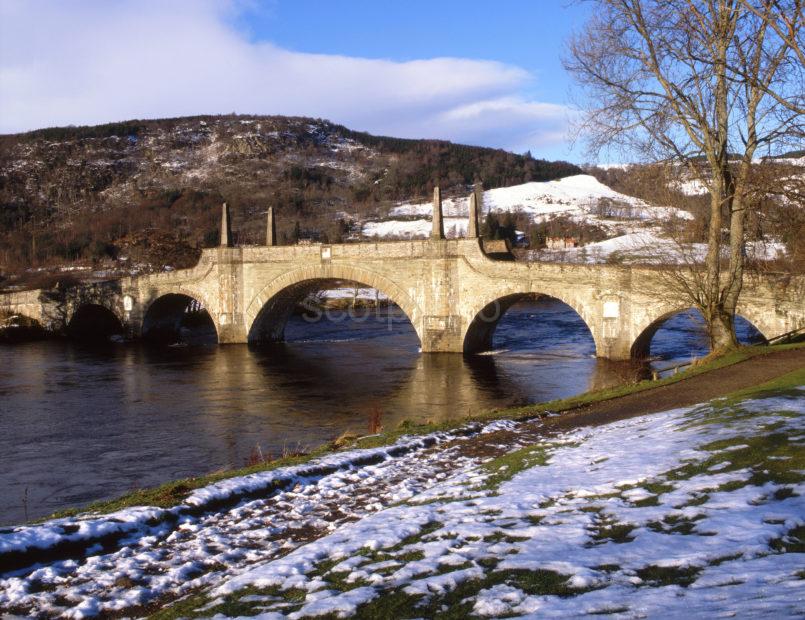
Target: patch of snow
x,y
647,246
691,187
414,229
580,197
552,526
614,166
791,161
353,293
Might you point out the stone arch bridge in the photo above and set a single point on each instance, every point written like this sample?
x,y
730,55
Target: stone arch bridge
x,y
450,289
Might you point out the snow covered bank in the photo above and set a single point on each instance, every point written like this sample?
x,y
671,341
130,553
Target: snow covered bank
x,y
695,512
648,246
83,566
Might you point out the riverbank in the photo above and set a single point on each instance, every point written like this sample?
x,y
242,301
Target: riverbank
x,y
459,522
696,512
702,382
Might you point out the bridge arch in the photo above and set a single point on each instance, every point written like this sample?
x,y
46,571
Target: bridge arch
x,y
483,319
166,312
269,310
94,321
646,329
18,326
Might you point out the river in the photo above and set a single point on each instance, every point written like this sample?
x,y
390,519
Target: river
x,y
80,423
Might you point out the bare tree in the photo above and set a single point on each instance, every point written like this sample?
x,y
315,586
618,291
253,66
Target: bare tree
x,y
708,84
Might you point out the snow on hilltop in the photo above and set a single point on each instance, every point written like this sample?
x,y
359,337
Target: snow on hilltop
x,y
580,197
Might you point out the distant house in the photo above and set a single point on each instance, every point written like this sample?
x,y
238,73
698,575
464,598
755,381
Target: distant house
x,y
560,243
309,237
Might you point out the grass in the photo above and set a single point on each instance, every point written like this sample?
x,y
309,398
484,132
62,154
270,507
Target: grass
x,y
232,605
173,493
675,524
772,457
669,575
792,542
504,467
606,530
783,384
455,604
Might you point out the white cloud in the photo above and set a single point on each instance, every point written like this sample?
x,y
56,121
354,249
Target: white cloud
x,y
92,62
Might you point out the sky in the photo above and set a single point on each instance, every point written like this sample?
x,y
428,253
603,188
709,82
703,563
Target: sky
x,y
476,72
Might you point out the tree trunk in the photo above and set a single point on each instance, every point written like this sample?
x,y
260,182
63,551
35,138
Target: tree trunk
x,y
735,273
721,329
712,262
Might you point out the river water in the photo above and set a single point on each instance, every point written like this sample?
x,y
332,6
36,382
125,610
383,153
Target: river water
x,y
80,423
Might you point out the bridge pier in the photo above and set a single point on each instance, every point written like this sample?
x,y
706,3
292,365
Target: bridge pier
x,y
442,334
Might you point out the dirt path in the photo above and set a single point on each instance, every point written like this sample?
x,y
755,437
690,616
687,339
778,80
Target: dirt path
x,y
698,389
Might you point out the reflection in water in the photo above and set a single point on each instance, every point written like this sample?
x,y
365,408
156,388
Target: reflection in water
x,y
79,424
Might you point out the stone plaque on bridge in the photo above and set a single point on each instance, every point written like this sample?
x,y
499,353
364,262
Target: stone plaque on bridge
x,y
612,309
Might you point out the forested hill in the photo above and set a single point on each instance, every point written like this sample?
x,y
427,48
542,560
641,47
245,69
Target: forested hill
x,y
151,191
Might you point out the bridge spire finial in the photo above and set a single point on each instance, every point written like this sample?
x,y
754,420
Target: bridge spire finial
x,y
226,231
271,230
438,223
476,200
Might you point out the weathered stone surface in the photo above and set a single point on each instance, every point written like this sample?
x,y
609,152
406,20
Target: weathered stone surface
x,y
226,231
271,229
450,290
472,225
438,220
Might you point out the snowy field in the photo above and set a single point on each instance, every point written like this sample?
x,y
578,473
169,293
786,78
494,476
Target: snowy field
x,y
632,225
578,197
648,246
695,512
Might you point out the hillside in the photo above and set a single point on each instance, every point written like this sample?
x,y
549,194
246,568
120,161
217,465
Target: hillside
x,y
578,203
144,194
775,227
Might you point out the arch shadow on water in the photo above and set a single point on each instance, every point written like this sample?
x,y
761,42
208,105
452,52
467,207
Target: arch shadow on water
x,y
18,328
178,319
94,324
324,350
681,336
303,300
527,323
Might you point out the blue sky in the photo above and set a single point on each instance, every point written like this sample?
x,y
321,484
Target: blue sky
x,y
475,72
528,34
